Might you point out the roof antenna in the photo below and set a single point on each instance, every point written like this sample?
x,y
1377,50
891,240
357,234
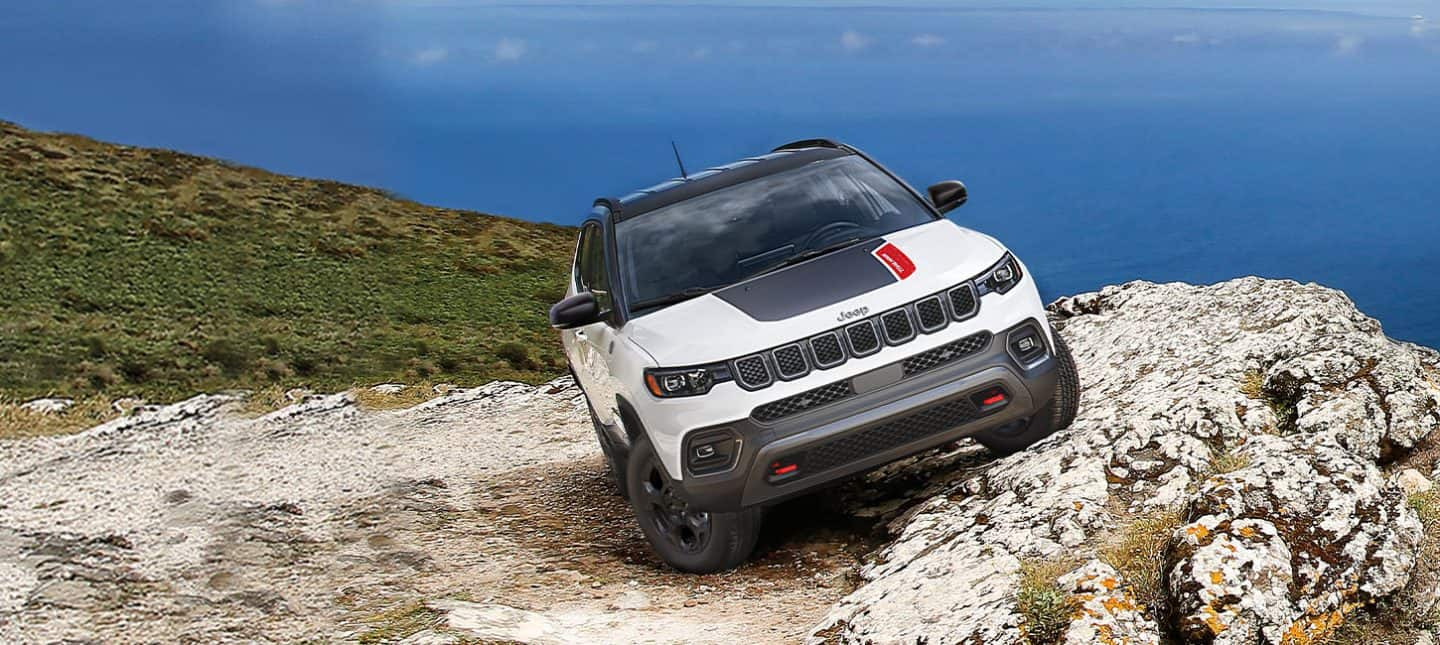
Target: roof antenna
x,y
678,162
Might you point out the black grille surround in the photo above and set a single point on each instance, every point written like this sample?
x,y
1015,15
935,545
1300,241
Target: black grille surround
x,y
857,338
752,373
930,313
790,362
929,359
897,325
963,304
863,339
828,350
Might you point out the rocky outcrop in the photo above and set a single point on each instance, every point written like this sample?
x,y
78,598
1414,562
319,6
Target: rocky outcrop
x,y
1260,411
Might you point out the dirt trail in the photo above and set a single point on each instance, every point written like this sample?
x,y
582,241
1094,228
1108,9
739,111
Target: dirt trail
x,y
482,514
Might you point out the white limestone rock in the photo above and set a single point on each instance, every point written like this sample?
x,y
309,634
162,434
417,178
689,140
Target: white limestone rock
x,y
1169,374
47,406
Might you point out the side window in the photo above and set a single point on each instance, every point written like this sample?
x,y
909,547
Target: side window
x,y
586,237
590,263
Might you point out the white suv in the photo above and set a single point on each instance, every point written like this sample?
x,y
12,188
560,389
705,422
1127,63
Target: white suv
x,y
758,330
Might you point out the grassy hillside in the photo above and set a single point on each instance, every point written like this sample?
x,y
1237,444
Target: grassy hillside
x,y
128,271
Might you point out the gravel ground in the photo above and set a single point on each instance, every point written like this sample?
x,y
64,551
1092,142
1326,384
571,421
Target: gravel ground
x,y
485,513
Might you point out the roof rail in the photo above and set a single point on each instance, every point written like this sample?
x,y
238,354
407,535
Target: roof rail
x,y
608,202
809,143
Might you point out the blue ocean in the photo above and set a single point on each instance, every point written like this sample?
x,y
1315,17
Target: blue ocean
x,y
1103,143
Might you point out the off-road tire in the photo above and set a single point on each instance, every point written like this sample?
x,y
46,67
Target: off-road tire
x,y
617,468
724,542
1057,414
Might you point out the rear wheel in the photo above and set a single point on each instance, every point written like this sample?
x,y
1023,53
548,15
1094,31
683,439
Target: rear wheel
x,y
687,539
1056,415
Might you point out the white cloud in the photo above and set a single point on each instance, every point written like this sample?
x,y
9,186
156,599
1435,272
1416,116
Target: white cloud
x,y
430,56
1348,44
854,41
509,49
927,40
701,52
643,46
1186,39
1421,27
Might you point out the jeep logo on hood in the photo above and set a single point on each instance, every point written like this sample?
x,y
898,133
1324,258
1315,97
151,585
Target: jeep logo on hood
x,y
852,314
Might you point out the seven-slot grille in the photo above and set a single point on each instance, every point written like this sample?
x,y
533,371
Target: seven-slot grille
x,y
865,337
752,373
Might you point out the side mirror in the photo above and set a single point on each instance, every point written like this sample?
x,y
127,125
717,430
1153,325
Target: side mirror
x,y
576,311
948,195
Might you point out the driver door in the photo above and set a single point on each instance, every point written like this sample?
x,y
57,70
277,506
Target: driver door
x,y
588,347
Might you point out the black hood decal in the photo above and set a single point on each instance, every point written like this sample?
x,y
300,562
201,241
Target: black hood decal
x,y
806,287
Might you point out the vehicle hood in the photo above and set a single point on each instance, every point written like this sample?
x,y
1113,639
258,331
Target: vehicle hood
x,y
800,301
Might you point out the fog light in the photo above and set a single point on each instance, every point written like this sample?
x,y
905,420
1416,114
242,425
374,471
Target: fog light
x,y
1026,345
712,451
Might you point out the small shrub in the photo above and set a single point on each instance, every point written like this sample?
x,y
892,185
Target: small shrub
x,y
95,347
517,355
228,354
135,370
177,228
1252,385
1225,460
396,624
97,376
422,368
1046,608
274,369
1137,551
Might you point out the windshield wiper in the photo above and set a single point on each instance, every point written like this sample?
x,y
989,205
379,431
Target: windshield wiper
x,y
672,298
810,254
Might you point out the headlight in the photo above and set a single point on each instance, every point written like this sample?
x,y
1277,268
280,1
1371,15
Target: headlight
x,y
684,381
999,278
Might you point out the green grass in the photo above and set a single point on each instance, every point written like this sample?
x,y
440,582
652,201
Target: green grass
x,y
134,272
1045,607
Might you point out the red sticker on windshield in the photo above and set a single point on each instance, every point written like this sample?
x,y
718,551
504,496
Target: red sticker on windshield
x,y
895,260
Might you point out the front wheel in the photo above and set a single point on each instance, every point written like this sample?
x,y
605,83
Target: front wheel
x,y
1057,414
689,540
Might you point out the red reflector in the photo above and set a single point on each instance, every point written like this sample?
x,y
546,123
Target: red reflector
x,y
785,470
994,398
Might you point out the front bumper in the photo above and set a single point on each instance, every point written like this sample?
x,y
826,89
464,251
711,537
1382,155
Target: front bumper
x,y
850,436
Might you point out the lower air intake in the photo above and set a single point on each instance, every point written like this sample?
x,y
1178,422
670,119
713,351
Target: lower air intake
x,y
892,434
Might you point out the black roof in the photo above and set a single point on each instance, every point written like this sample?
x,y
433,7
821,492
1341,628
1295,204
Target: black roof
x,y
786,157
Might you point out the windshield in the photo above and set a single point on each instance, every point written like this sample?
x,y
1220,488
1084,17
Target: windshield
x,y
728,235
